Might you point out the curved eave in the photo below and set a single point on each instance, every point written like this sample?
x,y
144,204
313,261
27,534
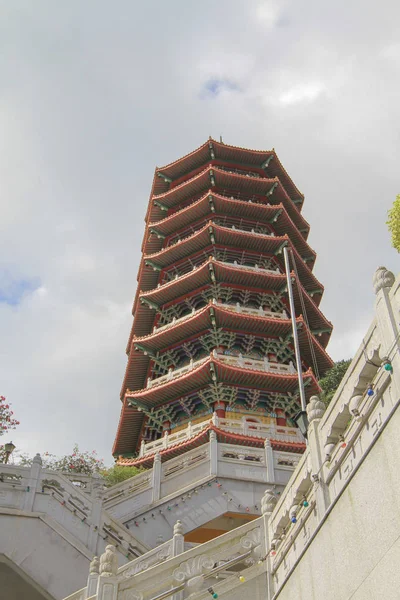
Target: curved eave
x,y
224,437
201,276
236,239
231,207
230,319
239,277
128,431
254,186
230,154
231,375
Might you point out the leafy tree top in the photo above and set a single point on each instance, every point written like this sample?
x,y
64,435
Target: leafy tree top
x,y
393,223
332,379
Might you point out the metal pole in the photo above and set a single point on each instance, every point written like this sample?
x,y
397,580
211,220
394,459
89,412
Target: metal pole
x,y
294,328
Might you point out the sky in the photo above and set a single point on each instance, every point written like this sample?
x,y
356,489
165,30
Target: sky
x,y
95,94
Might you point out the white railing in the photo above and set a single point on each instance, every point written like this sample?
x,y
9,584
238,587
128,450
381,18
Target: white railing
x,y
257,312
243,427
174,438
173,373
264,430
256,364
255,268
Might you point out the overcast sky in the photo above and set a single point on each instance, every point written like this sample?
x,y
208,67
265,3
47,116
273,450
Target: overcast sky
x,y
95,94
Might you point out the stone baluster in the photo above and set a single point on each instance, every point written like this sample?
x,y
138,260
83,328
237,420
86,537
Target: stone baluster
x,y
156,479
268,503
95,515
93,577
315,411
34,483
269,461
213,453
107,583
178,541
142,448
165,440
189,430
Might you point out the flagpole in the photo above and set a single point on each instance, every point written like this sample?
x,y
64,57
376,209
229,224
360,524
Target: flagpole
x,y
294,328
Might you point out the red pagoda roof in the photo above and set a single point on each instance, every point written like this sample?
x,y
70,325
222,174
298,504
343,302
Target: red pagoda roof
x,y
230,319
271,190
204,239
227,206
218,151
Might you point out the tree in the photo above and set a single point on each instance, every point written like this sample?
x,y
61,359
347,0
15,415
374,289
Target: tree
x,y
393,223
332,379
7,423
117,474
82,463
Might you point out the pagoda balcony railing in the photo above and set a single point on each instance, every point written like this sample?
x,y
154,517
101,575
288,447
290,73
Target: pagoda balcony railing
x,y
240,427
256,364
173,373
257,312
193,267
240,361
225,222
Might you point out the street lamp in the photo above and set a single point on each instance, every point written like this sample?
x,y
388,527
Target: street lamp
x,y
8,449
302,422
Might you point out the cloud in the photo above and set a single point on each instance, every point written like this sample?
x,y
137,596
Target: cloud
x,y
14,290
214,87
307,92
93,98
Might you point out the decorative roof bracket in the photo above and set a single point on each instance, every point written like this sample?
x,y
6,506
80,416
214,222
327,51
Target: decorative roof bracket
x,y
150,263
166,179
161,205
150,304
267,161
158,234
271,190
276,216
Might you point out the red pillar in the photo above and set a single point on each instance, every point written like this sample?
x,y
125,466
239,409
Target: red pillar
x,y
219,409
280,417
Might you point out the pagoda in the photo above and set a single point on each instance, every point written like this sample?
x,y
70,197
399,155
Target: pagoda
x,y
211,346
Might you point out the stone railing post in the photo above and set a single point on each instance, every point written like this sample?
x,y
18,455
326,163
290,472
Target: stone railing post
x,y
269,461
385,317
33,483
178,541
213,453
268,503
107,583
93,577
315,411
95,515
156,478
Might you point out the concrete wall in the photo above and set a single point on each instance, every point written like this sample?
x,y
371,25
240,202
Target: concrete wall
x,y
356,553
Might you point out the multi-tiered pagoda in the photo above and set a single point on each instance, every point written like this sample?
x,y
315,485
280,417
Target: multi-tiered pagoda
x,y
211,346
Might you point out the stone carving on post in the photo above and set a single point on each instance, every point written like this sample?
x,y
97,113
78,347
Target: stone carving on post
x,y
93,577
268,502
156,479
107,585
178,541
315,409
382,279
213,452
109,562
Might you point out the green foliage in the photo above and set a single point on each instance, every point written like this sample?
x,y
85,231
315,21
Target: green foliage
x,y
393,223
81,463
331,381
117,474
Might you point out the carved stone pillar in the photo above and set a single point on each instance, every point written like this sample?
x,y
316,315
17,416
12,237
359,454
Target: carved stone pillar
x,y
156,479
213,453
34,483
269,461
107,584
315,411
95,515
93,577
178,541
